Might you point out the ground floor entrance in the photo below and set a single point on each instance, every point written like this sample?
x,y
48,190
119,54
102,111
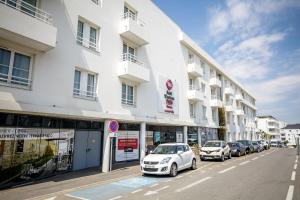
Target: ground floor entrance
x,y
87,149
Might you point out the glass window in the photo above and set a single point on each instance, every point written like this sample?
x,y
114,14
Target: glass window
x,y
4,64
76,90
93,38
127,94
80,32
204,112
29,7
192,110
20,73
180,148
91,85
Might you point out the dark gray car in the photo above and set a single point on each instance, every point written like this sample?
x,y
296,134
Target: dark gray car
x,y
237,149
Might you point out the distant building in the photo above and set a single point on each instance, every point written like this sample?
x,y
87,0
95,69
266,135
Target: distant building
x,y
290,133
269,125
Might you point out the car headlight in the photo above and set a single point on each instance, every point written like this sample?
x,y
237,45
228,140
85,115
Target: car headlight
x,y
165,160
218,150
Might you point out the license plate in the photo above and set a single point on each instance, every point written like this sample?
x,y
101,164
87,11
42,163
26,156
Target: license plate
x,y
149,166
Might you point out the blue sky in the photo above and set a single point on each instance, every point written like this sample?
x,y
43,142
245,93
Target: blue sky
x,y
257,42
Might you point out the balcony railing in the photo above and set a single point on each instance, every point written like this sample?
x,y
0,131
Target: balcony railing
x,y
131,58
11,80
90,43
215,97
85,94
28,9
133,17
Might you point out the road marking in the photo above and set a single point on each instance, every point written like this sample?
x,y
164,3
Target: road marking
x,y
52,198
156,191
262,155
296,161
193,184
156,184
293,176
245,162
76,197
178,176
255,158
295,166
226,170
290,192
167,180
135,191
114,198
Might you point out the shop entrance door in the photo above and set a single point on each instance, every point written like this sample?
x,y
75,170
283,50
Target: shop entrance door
x,y
86,150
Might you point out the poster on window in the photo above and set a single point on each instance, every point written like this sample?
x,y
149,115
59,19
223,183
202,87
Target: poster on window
x,y
168,97
127,146
179,137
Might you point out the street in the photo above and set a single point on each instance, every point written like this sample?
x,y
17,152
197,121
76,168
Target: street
x,y
272,174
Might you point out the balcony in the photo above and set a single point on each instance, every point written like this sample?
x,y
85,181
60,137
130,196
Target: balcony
x,y
27,25
239,111
239,97
229,108
133,29
214,82
195,95
194,70
132,69
228,90
215,101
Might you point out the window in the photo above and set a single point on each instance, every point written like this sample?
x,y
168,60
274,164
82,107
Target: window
x,y
192,110
87,35
84,84
203,88
95,1
130,13
128,94
214,115
15,68
204,118
190,58
192,84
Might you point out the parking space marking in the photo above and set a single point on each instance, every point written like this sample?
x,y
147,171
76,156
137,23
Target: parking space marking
x,y
117,197
245,162
156,191
76,197
156,184
179,176
226,170
295,166
193,184
293,177
136,191
262,155
255,158
290,193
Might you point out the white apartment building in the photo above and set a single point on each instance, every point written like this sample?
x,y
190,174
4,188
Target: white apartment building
x,y
270,126
290,133
69,67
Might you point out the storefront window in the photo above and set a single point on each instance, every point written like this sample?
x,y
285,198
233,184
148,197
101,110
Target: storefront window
x,y
192,136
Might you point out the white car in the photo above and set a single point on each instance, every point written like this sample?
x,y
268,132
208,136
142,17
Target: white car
x,y
169,159
215,149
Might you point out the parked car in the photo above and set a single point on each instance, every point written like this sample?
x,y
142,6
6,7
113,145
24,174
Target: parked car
x,y
237,149
265,144
215,149
256,147
169,159
248,145
274,143
261,146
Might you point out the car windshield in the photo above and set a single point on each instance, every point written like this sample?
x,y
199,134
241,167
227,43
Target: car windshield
x,y
254,143
165,149
213,144
244,142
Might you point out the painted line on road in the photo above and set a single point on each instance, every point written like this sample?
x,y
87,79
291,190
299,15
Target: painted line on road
x,y
262,155
193,184
295,166
136,191
226,170
117,197
290,193
245,162
255,158
296,161
156,184
156,191
293,177
168,180
179,176
76,197
52,198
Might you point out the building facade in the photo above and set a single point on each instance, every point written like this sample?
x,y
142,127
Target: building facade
x,y
290,133
69,67
270,126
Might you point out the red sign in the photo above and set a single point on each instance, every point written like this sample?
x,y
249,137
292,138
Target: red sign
x,y
127,143
113,126
169,97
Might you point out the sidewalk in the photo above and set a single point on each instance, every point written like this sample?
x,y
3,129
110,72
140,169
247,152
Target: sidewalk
x,y
67,181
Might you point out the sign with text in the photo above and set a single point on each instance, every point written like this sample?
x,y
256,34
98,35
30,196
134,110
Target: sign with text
x,y
168,96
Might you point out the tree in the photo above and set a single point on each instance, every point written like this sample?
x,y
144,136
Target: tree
x,y
222,123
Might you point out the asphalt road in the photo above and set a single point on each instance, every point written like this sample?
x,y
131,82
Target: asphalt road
x,y
269,175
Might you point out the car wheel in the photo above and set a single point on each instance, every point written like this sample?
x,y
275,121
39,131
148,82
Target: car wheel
x,y
194,164
173,170
222,157
229,155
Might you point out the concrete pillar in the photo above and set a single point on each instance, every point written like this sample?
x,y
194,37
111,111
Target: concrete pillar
x,y
106,149
199,136
185,135
142,140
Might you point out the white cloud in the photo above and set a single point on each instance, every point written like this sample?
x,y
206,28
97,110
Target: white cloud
x,y
219,23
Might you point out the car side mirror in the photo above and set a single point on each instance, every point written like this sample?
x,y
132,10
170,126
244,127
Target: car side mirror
x,y
179,152
224,146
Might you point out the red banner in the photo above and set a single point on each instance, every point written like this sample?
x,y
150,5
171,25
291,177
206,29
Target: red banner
x,y
127,143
